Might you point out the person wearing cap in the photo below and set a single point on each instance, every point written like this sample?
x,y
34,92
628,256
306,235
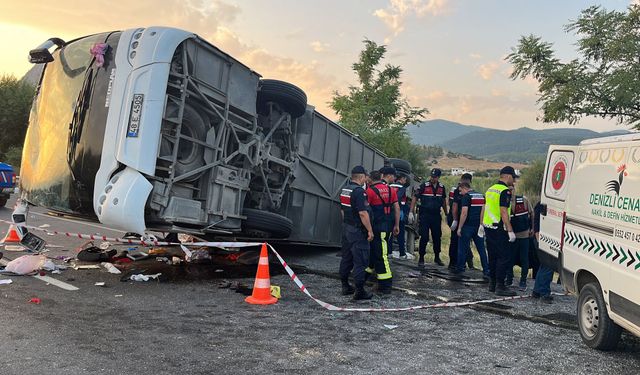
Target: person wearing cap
x,y
453,219
357,234
498,230
385,222
433,198
522,223
400,186
471,212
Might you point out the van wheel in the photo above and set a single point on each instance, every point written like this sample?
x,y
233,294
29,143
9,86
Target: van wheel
x,y
598,331
277,226
291,98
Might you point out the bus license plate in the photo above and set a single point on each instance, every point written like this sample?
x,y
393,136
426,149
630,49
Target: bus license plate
x,y
134,117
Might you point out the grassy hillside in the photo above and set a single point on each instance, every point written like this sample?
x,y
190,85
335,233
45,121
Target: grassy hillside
x,y
435,132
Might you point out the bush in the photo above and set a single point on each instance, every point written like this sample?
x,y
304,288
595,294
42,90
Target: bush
x,y
13,156
530,183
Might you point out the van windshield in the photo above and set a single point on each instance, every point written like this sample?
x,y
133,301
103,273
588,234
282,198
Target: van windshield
x,y
48,173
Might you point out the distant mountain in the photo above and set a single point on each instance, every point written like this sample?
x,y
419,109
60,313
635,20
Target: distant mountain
x,y
438,132
519,145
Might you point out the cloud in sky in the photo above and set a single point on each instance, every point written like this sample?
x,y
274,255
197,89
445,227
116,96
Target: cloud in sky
x,y
318,46
487,70
208,18
395,14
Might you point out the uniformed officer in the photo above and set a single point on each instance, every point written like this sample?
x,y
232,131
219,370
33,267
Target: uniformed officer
x,y
522,223
433,198
471,213
346,261
400,185
358,234
386,216
453,219
498,229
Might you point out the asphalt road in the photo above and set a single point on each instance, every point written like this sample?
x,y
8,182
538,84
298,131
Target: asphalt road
x,y
194,326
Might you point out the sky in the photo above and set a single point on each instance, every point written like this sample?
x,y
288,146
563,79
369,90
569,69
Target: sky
x,y
451,51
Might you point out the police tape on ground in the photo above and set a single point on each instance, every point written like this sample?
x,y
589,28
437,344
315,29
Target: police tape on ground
x,y
284,264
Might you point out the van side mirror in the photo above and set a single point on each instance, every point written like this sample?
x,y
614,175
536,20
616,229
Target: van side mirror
x,y
543,209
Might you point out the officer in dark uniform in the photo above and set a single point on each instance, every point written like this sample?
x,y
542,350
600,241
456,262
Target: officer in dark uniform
x,y
358,233
386,216
346,262
453,220
433,198
498,230
400,185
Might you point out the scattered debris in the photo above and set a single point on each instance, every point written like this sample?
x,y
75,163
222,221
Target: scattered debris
x,y
86,267
141,277
14,248
26,264
118,295
99,283
35,300
5,281
111,268
104,245
390,326
275,291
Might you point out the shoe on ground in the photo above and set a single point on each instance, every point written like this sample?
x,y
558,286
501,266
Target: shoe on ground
x,y
395,255
505,292
547,299
347,289
471,267
492,286
486,277
522,287
421,262
535,295
385,291
438,262
362,294
407,257
508,283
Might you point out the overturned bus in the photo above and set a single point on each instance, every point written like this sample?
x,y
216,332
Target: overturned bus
x,y
155,129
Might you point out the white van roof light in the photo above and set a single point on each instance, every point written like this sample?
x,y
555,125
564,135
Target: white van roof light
x,y
612,139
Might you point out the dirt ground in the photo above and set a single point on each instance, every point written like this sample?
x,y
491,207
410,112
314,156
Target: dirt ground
x,y
201,325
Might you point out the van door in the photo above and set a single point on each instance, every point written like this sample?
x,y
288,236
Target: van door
x,y
554,193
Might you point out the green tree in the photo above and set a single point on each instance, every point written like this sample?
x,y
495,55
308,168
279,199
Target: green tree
x,y
603,82
530,183
376,110
15,103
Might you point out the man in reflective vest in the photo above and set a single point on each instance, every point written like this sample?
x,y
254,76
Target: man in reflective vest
x,y
433,198
498,229
522,223
400,186
357,234
386,217
452,221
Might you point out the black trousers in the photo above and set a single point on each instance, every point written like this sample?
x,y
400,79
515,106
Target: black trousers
x,y
433,224
498,249
355,254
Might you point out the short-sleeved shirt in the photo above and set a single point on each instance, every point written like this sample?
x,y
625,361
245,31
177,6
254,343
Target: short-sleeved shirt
x,y
474,201
381,199
505,196
431,198
359,203
454,197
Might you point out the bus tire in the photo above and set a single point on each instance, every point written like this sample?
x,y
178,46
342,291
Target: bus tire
x,y
190,154
277,226
598,331
290,97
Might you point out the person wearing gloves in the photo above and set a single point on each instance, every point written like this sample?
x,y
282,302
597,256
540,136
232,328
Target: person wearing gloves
x,y
499,232
469,228
453,218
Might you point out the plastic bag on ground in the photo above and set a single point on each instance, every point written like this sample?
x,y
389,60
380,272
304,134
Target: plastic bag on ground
x,y
26,264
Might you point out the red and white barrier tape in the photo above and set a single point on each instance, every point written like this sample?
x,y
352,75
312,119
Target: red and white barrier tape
x,y
292,274
132,241
331,307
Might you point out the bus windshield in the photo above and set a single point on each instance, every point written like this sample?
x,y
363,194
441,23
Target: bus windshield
x,y
48,176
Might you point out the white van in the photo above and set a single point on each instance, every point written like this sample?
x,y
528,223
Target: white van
x,y
590,232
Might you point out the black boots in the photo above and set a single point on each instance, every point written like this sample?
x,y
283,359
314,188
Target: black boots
x,y
503,291
438,261
492,285
362,294
347,288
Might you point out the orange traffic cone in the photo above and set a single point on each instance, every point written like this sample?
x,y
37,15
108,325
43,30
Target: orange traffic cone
x,y
12,235
262,286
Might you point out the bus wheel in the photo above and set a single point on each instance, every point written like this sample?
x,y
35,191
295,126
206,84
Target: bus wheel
x,y
598,331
